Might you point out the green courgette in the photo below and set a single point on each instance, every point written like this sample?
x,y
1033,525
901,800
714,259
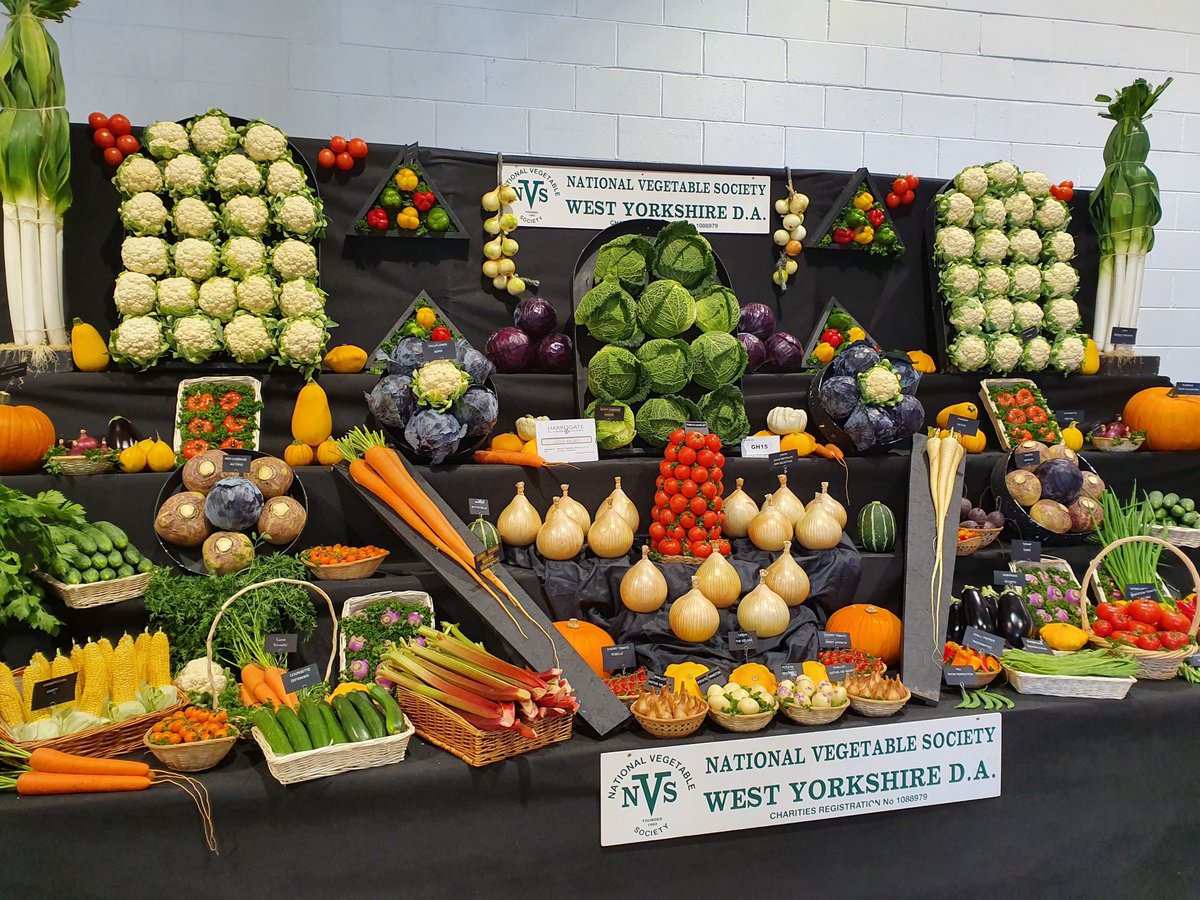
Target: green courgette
x,y
351,723
118,537
103,543
336,735
393,716
371,717
296,734
100,560
80,560
318,734
264,720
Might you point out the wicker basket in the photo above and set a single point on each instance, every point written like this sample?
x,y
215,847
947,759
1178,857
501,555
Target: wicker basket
x,y
878,708
742,724
445,728
1085,686
982,679
1115,445
360,568
1180,537
677,560
672,728
99,593
1155,665
983,537
353,605
81,465
636,682
813,715
199,756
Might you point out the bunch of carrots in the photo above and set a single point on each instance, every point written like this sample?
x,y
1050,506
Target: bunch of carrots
x,y
192,725
263,685
333,554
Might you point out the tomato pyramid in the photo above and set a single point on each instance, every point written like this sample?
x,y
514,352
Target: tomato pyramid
x,y
687,517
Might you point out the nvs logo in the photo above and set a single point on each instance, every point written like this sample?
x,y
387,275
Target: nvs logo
x,y
530,191
535,188
664,789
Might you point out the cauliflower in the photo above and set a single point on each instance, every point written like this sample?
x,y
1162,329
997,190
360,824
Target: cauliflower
x,y
1035,184
294,259
1060,280
959,280
1024,245
137,340
212,133
1026,281
165,140
135,294
249,338
1036,355
195,259
1058,245
143,214
954,244
1051,215
194,677
439,383
218,298
998,314
257,294
263,142
1019,208
285,177
147,255
244,256
972,181
302,342
955,208
195,338
185,175
967,314
300,215
995,282
176,296
880,385
990,213
137,174
245,215
192,217
1067,353
1002,178
300,297
1062,315
1004,353
235,174
991,246
968,353
1027,314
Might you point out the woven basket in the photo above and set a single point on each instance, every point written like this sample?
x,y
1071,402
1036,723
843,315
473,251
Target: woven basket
x,y
742,724
360,568
353,605
1180,537
195,757
445,728
80,465
1086,686
677,560
983,537
99,593
878,708
1115,445
1155,665
982,679
814,716
672,728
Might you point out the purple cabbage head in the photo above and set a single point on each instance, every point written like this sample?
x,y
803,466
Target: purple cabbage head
x,y
860,429
510,350
908,416
555,353
535,316
407,355
839,396
858,357
882,423
478,366
234,504
757,319
478,410
434,434
785,353
756,350
391,401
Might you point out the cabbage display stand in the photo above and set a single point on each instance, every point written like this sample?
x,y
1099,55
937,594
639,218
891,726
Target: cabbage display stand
x,y
599,707
924,619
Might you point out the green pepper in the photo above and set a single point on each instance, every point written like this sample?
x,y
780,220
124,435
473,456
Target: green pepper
x,y
839,321
885,236
437,219
412,329
390,198
855,218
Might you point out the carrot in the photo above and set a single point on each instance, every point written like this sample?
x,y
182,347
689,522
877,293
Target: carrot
x,y
252,676
31,784
829,451
265,696
275,682
247,698
509,458
45,759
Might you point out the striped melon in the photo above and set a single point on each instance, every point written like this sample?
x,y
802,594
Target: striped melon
x,y
876,528
486,532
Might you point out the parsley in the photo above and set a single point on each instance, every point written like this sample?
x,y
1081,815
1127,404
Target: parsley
x,y
380,626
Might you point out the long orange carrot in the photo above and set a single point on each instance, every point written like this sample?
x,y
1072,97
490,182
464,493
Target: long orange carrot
x,y
45,759
246,697
41,783
265,696
274,681
510,458
252,676
829,451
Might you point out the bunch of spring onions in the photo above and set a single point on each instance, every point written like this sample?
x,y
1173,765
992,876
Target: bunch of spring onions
x,y
35,165
1135,563
1125,208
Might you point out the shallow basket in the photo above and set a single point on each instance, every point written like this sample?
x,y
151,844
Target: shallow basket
x,y
636,680
81,465
1154,665
1174,534
672,728
810,716
198,756
1115,445
677,560
445,728
878,708
742,724
1083,686
359,568
983,537
99,593
321,762
353,605
982,679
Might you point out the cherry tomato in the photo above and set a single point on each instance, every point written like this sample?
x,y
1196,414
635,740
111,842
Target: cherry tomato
x,y
710,519
665,469
718,501
671,486
1102,628
687,520
653,546
702,550
337,144
694,440
345,161
709,489
706,458
719,462
679,503
98,120
669,547
667,515
326,158
913,181
682,472
441,333
687,456
892,200
671,454
1067,183
678,532
677,437
899,186
723,547
103,138
714,532
128,144
699,505
909,197
661,499
119,125
699,475
713,443
1144,611
715,475
1173,621
1150,642
357,148
658,483
657,531
114,157
688,489
696,533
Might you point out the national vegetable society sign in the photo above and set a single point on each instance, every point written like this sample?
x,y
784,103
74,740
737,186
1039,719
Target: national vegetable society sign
x,y
564,197
651,794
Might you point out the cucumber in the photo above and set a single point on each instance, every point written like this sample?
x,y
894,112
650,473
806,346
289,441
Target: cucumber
x,y
318,734
103,544
371,717
294,729
72,576
83,541
352,725
125,571
89,575
1190,519
80,560
1155,498
144,565
108,574
132,556
115,559
264,720
100,560
336,735
1188,504
1170,499
393,716
119,539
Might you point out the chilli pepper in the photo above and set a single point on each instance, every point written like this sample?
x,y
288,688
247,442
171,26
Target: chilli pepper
x,y
408,219
194,447
842,235
441,333
832,337
875,217
406,179
424,200
438,219
377,219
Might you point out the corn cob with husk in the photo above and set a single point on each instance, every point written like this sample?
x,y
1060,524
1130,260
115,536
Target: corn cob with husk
x,y
77,663
141,657
38,670
125,703
160,691
11,710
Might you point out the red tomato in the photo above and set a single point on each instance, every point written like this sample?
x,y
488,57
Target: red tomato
x,y
696,441
716,475
682,472
913,181
699,506
98,120
667,515
103,138
326,158
713,443
719,462
345,161
661,499
231,443
687,456
337,144
658,483
654,546
114,157
706,458
679,503
233,423
714,532
128,144
194,446
671,487
657,531
709,489
119,125
669,547
687,520
723,547
900,185
699,475
1102,628
357,148
677,532
702,550
1174,621
1141,627
688,489
717,503
1120,621
677,437
1149,642
696,533
1107,610
1124,637
665,469
909,197
1173,640
1144,611
892,200
710,519
671,454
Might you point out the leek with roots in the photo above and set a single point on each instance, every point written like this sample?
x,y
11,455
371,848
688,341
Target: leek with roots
x,y
35,165
1125,208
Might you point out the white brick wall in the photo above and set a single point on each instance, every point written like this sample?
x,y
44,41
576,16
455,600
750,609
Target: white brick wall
x,y
923,85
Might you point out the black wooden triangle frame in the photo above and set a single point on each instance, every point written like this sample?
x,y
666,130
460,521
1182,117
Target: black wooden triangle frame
x,y
819,329
409,154
812,240
422,299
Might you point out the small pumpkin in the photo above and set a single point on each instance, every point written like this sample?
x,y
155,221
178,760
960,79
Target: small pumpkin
x,y
527,426
1170,423
685,675
588,641
312,421
1072,437
800,441
328,452
967,410
786,420
298,453
486,532
345,359
1091,358
26,433
507,441
872,629
750,674
89,351
922,361
971,443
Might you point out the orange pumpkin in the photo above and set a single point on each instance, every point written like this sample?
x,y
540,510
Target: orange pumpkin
x,y
872,629
26,433
588,640
1170,423
750,674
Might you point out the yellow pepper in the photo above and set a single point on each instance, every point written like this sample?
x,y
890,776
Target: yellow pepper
x,y
408,218
863,201
864,235
426,317
823,351
856,334
406,180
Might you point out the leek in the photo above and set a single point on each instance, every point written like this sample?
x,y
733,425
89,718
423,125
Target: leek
x,y
35,166
1124,208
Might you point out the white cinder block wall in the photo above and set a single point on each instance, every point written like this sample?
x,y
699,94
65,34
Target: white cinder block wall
x,y
923,85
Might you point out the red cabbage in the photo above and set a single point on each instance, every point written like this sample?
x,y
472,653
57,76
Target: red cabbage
x,y
758,320
860,429
858,357
1061,480
535,316
755,350
839,396
555,354
784,353
510,350
908,415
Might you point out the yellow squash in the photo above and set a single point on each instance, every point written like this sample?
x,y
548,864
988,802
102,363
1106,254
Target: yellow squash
x,y
974,443
685,675
328,453
298,454
967,410
922,361
750,674
89,352
346,359
816,671
1062,636
161,457
312,422
1072,437
1091,358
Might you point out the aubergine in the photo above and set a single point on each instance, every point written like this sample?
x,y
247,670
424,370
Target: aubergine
x,y
121,434
1014,622
975,611
955,627
991,601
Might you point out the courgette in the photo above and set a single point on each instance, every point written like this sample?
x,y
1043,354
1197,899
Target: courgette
x,y
294,728
318,734
144,564
132,555
89,575
371,717
393,716
100,560
336,735
119,539
125,571
264,720
103,543
115,559
351,723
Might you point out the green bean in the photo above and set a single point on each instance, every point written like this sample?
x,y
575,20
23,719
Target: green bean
x,y
1100,663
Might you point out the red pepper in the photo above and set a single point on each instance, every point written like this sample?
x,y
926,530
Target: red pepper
x,y
1187,606
875,217
377,219
832,337
230,400
198,402
194,447
424,200
842,235
441,333
232,444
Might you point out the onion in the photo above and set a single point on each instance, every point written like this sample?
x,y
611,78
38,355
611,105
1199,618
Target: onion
x,y
818,530
787,578
825,499
610,536
763,611
770,529
624,506
739,509
693,618
643,587
574,509
560,537
519,523
786,502
719,581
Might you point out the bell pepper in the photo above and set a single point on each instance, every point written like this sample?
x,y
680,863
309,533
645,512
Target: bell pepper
x,y
864,235
832,337
438,219
842,235
424,200
409,219
856,218
406,179
886,236
875,217
378,219
863,201
839,320
441,333
426,317
390,198
856,334
1187,606
823,352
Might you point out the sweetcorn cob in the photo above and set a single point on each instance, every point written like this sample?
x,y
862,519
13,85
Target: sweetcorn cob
x,y
106,650
124,683
95,681
158,668
10,698
61,666
77,662
141,658
37,670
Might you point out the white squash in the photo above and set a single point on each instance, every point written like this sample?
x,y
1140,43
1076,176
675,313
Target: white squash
x,y
527,426
786,420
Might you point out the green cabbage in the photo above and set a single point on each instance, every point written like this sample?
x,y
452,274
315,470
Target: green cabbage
x,y
613,435
725,412
667,364
717,358
665,309
609,314
682,254
627,257
718,310
614,373
659,416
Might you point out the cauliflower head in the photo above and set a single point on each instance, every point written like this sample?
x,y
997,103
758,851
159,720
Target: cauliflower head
x,y
968,352
147,255
972,181
1004,353
1036,355
192,217
302,342
1052,215
244,256
285,177
1001,177
1020,209
176,296
186,175
990,213
1027,314
439,383
135,294
300,215
218,298
955,208
1024,245
998,314
991,246
236,174
137,174
294,259
194,677
954,244
212,133
245,215
1059,280
1026,282
249,338
1035,184
263,142
195,338
967,314
143,214
961,279
195,259
1066,354
1058,246
995,282
880,385
257,294
165,140
300,297
138,341
1062,315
